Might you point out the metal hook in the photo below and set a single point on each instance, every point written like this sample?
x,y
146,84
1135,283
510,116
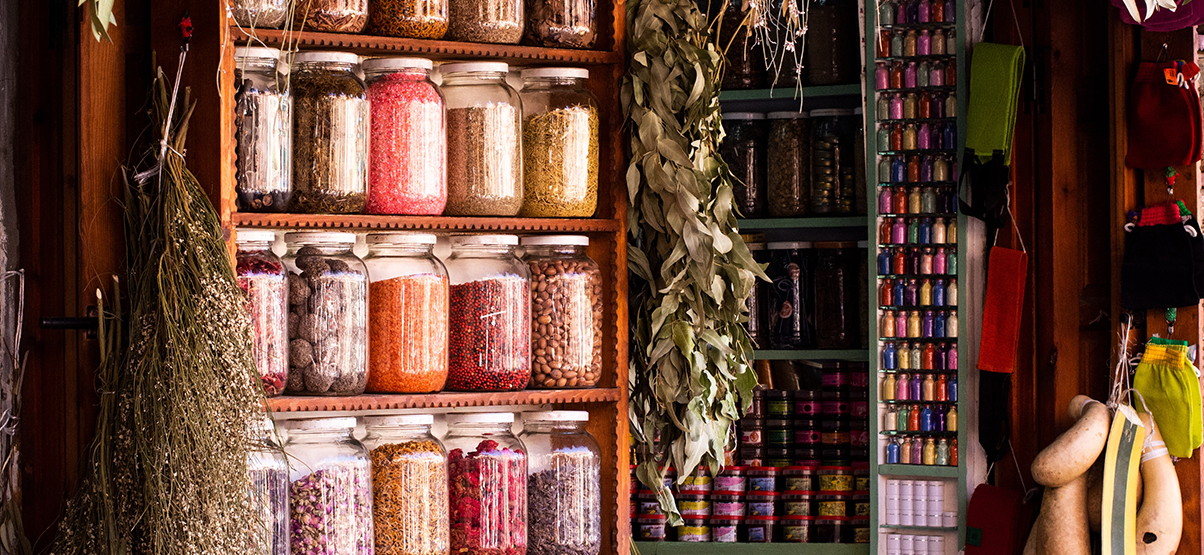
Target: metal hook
x,y
1162,53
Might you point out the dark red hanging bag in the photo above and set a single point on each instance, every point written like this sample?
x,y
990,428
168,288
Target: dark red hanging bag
x,y
1164,116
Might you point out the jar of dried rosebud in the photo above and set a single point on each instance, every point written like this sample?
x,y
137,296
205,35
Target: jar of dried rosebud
x,y
564,491
263,281
487,477
330,498
409,485
406,151
566,312
407,314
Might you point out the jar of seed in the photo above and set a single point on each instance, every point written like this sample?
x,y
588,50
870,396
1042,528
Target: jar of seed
x,y
263,132
264,282
409,485
407,314
328,314
744,152
495,21
331,493
484,153
564,484
789,167
561,23
331,16
415,19
560,144
406,169
489,327
330,134
487,475
832,169
259,14
566,312
267,474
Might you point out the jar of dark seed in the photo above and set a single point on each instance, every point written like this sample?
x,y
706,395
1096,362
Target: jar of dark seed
x,y
489,325
790,301
561,23
328,314
789,168
494,21
566,312
331,492
758,300
406,169
832,43
744,152
263,132
484,150
832,171
487,476
331,16
409,485
560,144
330,134
259,14
837,309
415,19
564,484
263,281
267,474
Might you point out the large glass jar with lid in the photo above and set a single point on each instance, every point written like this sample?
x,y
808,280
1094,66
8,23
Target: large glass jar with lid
x,y
561,23
484,150
487,473
330,134
331,491
745,59
263,132
407,314
566,312
415,19
268,476
837,309
790,301
560,144
489,328
494,21
263,281
744,152
564,489
328,314
788,172
407,172
833,51
259,14
758,301
331,16
832,169
409,485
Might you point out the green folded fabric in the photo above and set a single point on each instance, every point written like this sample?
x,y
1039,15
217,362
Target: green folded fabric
x,y
995,76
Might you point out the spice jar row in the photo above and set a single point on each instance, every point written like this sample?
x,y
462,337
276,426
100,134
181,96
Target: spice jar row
x,y
919,231
913,293
935,357
923,105
914,75
922,136
914,449
401,491
910,324
912,43
899,261
917,200
326,322
397,143
551,23
911,12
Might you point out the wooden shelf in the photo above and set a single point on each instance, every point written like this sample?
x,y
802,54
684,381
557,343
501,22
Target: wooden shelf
x,y
442,400
438,223
691,548
800,223
435,49
856,355
787,93
919,470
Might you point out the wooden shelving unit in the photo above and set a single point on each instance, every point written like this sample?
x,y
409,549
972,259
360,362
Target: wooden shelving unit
x,y
358,222
449,399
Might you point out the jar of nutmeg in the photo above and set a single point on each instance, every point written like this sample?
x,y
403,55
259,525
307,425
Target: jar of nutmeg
x,y
566,312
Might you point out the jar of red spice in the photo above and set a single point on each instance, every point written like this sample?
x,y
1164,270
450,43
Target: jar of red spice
x,y
407,314
489,347
566,312
487,473
407,173
262,279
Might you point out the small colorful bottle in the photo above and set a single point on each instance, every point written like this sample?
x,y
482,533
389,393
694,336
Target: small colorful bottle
x,y
942,453
898,170
913,324
951,389
951,106
887,326
898,232
911,293
923,75
909,106
928,359
951,325
937,106
938,263
886,12
901,388
884,106
938,419
900,291
890,420
890,361
913,231
913,419
926,262
926,168
951,419
901,420
888,383
929,452
896,106
923,12
881,76
885,196
895,75
913,169
898,263
938,11
917,450
940,172
937,78
896,137
951,42
941,387
951,359
915,355
926,233
884,261
938,231
901,199
926,324
953,453
896,44
913,261
939,325
938,360
892,451
926,293
938,44
908,140
929,388
910,75
904,450
951,293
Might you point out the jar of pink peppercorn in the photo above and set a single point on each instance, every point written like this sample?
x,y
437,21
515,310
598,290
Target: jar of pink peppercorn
x,y
407,172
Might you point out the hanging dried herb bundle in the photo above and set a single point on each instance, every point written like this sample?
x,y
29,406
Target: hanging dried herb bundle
x,y
166,473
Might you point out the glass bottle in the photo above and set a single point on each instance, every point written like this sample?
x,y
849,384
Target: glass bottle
x,y
564,483
892,451
923,74
928,357
264,283
915,356
929,452
487,475
938,44
909,43
407,173
887,327
951,388
268,481
886,12
917,450
409,485
951,419
560,143
937,77
942,453
913,419
904,357
895,78
415,19
939,262
560,23
909,137
744,150
492,21
939,325
951,325
953,453
566,312
909,106
909,75
904,450
901,324
951,293
885,197
902,390
331,491
788,169
484,134
888,383
940,388
929,388
263,131
889,362
330,134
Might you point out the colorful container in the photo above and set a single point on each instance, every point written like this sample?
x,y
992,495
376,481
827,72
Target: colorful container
x,y
797,529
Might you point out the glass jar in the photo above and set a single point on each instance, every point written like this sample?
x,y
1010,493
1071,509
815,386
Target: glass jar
x,y
330,505
328,314
744,152
407,314
415,19
564,484
407,173
789,167
790,325
263,281
758,301
832,171
566,312
331,16
560,144
836,305
263,132
487,470
484,162
561,23
267,474
330,134
495,21
833,43
745,62
409,485
259,14
489,328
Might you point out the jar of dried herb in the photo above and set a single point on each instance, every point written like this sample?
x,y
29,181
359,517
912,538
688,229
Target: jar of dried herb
x,y
259,14
484,152
330,134
331,16
495,21
487,485
330,505
406,169
416,19
560,144
407,314
264,282
566,312
263,132
564,492
267,474
409,485
561,23
789,167
328,314
832,169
